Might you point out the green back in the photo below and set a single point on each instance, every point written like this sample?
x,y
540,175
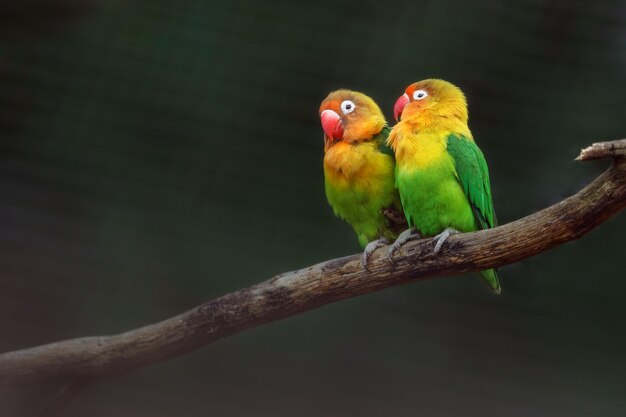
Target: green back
x,y
473,175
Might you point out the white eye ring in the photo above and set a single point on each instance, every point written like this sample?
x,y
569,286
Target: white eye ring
x,y
420,94
347,106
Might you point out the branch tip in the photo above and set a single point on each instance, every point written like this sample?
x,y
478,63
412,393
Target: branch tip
x,y
599,150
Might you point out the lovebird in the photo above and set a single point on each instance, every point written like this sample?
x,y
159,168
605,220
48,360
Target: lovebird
x,y
359,169
441,174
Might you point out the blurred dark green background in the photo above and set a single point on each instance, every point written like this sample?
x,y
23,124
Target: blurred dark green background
x,y
146,147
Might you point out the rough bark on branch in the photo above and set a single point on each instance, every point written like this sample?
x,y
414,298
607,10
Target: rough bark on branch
x,y
294,292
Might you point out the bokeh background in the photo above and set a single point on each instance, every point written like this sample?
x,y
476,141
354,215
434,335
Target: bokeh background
x,y
155,155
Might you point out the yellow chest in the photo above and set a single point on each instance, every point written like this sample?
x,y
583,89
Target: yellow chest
x,y
420,145
419,151
347,165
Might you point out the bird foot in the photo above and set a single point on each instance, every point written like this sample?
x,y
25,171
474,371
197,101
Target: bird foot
x,y
408,234
441,238
369,250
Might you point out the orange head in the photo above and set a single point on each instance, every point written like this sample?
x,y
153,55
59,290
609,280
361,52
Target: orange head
x,y
432,96
350,116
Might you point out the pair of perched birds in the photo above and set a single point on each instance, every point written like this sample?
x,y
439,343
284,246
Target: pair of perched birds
x,y
426,171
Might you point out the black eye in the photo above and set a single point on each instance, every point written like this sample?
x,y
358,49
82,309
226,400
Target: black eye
x,y
419,94
347,106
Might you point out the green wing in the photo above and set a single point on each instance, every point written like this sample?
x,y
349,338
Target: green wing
x,y
473,175
381,140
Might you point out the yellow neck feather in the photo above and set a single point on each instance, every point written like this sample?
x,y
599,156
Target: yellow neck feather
x,y
350,165
421,141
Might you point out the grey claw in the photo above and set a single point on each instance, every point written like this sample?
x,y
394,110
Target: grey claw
x,y
409,234
369,250
390,253
365,260
441,238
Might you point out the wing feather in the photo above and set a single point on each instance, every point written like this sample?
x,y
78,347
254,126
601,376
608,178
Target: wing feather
x,y
473,175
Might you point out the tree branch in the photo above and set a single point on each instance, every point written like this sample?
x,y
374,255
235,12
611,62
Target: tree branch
x,y
294,292
614,149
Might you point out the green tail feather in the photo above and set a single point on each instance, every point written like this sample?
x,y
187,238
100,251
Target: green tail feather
x,y
490,276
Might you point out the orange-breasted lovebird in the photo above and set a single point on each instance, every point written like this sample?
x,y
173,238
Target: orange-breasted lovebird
x,y
359,169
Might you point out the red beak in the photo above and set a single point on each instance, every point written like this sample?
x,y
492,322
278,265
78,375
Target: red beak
x,y
401,103
331,123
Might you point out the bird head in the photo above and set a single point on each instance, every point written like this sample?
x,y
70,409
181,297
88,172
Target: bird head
x,y
431,96
349,116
